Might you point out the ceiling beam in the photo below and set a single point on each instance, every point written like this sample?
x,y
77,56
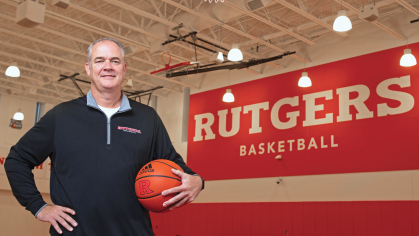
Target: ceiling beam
x,y
66,36
37,87
72,71
38,99
55,83
268,22
173,24
40,53
29,38
47,89
232,29
385,28
41,95
82,65
408,7
132,27
58,46
85,26
308,16
40,73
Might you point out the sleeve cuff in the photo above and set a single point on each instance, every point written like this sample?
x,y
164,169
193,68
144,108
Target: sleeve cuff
x,y
40,209
203,181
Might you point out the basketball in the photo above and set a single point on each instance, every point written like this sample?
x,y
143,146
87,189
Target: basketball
x,y
155,177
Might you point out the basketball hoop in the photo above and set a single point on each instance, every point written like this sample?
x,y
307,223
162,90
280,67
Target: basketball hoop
x,y
170,59
168,68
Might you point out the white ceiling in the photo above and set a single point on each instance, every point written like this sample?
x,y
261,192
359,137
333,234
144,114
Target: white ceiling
x,y
59,45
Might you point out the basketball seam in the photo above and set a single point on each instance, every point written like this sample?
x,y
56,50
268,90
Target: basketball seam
x,y
165,164
158,176
149,197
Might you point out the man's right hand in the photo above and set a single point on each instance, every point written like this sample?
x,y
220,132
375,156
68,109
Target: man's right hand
x,y
54,214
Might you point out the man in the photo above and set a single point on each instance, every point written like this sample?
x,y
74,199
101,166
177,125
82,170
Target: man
x,y
93,161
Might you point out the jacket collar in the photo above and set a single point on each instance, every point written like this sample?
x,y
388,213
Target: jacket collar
x,y
91,102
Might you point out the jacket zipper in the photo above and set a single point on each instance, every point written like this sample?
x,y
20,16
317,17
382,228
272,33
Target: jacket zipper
x,y
108,131
108,142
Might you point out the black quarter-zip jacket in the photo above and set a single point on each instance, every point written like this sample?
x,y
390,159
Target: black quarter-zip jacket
x,y
94,162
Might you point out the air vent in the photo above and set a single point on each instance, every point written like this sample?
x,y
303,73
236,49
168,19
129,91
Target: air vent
x,y
369,13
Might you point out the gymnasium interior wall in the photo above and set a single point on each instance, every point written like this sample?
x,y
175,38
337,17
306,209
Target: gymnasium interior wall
x,y
14,219
373,203
368,203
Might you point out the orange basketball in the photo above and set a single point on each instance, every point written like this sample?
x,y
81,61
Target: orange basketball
x,y
155,177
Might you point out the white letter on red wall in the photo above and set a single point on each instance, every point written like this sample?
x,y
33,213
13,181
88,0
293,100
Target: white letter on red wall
x,y
292,115
406,100
311,108
199,126
255,108
235,122
344,102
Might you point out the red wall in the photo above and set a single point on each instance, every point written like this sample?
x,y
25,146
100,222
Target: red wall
x,y
370,218
362,144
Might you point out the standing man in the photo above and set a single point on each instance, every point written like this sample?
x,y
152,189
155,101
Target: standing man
x,y
93,160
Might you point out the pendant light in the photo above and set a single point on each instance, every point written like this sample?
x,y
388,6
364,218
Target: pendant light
x,y
235,54
228,96
18,115
304,81
220,57
342,22
13,70
407,59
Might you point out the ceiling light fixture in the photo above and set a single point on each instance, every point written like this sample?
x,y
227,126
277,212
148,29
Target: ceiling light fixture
x,y
18,115
342,22
228,96
220,57
13,70
235,54
304,81
407,59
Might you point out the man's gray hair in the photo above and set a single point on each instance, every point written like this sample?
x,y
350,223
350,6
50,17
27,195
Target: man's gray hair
x,y
89,50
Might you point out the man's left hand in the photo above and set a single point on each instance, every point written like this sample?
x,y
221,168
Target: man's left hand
x,y
187,192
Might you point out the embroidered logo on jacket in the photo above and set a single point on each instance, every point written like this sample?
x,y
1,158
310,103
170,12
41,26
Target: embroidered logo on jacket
x,y
131,130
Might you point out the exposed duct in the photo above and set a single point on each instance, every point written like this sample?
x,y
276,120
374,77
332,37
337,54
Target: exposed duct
x,y
369,13
30,13
327,19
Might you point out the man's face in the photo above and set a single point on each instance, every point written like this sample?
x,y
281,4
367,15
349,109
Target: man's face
x,y
107,69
